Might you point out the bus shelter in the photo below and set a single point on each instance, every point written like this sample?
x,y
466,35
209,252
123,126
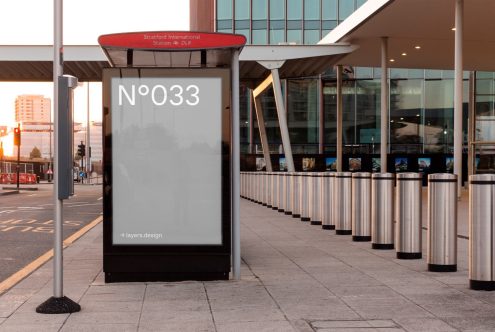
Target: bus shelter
x,y
170,115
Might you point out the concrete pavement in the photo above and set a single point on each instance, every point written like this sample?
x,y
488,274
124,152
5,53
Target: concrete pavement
x,y
295,277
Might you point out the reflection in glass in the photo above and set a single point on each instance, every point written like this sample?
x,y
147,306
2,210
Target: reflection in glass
x,y
329,9
294,9
224,9
242,10
260,9
277,9
311,9
405,115
302,109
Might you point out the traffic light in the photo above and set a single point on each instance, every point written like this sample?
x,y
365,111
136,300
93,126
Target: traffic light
x,y
81,150
17,136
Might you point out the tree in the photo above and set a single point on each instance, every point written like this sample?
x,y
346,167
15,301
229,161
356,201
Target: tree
x,y
35,153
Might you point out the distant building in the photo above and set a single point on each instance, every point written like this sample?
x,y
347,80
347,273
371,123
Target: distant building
x,y
32,108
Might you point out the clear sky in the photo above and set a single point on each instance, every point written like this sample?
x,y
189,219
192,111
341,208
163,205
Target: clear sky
x,y
30,22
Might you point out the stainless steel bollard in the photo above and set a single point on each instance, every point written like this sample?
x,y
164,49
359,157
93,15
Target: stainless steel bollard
x,y
342,206
315,199
258,187
296,201
382,211
481,232
442,223
281,191
274,191
304,196
288,190
408,234
264,191
361,206
326,200
269,190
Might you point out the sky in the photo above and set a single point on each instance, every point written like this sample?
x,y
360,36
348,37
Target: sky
x,y
30,22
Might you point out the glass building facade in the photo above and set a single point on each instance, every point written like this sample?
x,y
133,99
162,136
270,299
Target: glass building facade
x,y
421,101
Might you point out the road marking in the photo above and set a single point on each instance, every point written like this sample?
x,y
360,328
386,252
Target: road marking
x,y
32,195
99,199
34,265
30,208
86,204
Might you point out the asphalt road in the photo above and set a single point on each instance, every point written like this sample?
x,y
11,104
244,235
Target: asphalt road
x,y
26,223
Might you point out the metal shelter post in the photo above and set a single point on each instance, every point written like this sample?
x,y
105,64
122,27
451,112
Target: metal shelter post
x,y
282,120
58,303
459,8
339,118
236,232
384,107
261,122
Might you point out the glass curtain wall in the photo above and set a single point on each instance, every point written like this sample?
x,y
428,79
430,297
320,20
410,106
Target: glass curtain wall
x,y
484,124
302,117
361,116
283,21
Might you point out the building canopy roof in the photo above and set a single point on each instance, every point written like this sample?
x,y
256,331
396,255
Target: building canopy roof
x,y
34,63
424,23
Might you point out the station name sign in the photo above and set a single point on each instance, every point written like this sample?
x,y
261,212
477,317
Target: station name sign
x,y
171,40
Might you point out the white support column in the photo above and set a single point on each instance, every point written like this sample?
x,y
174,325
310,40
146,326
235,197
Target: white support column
x,y
236,223
282,120
262,129
384,123
339,118
459,4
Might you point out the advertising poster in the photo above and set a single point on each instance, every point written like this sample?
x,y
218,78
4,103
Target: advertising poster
x,y
166,160
282,164
449,164
260,164
424,164
308,164
331,164
401,164
375,165
354,164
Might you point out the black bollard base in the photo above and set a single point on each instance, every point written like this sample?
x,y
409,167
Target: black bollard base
x,y
329,227
442,268
58,305
315,222
482,285
409,255
382,246
361,238
343,232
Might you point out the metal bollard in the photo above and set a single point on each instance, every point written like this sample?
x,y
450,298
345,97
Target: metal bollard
x,y
296,187
442,223
315,199
342,203
288,190
274,191
304,196
281,191
258,188
269,190
264,191
408,234
326,200
481,232
382,211
361,206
